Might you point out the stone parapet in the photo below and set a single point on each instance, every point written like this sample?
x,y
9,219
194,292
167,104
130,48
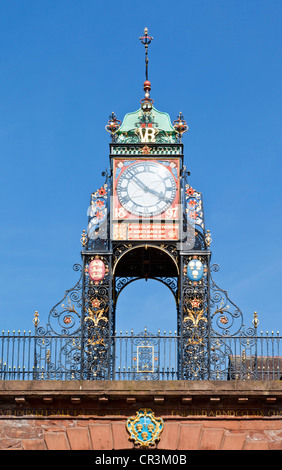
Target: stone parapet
x,y
92,414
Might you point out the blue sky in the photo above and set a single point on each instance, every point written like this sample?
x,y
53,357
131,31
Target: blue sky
x,y
65,66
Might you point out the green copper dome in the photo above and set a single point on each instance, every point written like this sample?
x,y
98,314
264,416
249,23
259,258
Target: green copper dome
x,y
156,119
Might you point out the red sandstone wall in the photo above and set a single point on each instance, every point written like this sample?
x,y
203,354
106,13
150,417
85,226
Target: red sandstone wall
x,y
87,434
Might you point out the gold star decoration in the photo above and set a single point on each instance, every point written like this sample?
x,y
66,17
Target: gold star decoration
x,y
195,303
146,150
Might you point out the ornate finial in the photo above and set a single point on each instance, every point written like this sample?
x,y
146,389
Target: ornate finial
x,y
146,40
255,320
113,125
208,238
83,239
147,102
35,320
180,125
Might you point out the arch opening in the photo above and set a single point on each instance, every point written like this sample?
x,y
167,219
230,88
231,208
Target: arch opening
x,y
146,304
146,345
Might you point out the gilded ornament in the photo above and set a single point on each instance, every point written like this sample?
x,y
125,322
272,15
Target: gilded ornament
x,y
195,303
96,317
144,428
70,307
255,320
208,238
221,309
35,320
83,239
146,150
195,317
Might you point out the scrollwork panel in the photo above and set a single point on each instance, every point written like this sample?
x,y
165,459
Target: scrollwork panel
x,y
97,318
194,317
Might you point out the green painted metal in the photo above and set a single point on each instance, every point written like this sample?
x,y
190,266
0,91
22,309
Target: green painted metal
x,y
166,132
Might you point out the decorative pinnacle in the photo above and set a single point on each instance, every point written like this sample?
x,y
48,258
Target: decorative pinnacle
x,y
208,238
113,125
147,102
180,125
35,320
255,320
146,40
83,239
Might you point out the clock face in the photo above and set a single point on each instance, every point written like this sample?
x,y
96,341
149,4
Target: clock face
x,y
146,189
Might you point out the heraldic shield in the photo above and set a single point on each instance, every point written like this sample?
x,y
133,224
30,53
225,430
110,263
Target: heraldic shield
x,y
144,428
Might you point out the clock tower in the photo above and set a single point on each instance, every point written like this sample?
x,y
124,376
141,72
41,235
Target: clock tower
x,y
146,221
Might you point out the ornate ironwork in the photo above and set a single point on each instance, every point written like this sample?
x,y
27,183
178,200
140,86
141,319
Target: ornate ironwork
x,y
98,229
26,356
58,344
64,317
145,350
195,317
180,126
194,206
226,317
96,325
170,282
146,356
79,340
226,320
146,40
113,125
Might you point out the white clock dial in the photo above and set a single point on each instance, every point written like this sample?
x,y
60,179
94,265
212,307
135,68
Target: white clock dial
x,y
146,189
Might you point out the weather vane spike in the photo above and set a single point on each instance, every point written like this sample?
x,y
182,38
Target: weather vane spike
x,y
146,40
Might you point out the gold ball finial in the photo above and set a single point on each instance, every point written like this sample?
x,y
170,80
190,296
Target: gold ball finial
x,y
255,320
35,320
208,238
83,239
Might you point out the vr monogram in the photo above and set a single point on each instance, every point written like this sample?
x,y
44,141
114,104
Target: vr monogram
x,y
147,134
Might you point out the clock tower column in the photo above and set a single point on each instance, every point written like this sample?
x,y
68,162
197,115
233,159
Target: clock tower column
x,y
146,222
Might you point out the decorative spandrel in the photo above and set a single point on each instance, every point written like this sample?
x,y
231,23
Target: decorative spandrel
x,y
76,342
226,317
64,317
58,345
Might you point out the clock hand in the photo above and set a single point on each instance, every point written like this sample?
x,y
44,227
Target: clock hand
x,y
150,190
159,195
145,187
140,183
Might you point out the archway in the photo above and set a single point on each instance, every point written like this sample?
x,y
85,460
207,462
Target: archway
x,y
146,314
146,304
146,340
147,264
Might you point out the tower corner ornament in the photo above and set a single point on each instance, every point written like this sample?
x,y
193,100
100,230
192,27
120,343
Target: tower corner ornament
x,y
145,221
144,428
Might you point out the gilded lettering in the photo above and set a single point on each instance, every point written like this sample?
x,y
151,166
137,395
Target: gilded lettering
x,y
147,134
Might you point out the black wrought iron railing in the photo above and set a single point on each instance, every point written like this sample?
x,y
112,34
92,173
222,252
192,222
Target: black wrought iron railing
x,y
145,356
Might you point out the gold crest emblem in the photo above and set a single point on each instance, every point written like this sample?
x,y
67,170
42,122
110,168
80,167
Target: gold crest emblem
x,y
144,428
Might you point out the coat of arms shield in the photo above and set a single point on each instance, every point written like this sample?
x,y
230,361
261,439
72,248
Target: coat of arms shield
x,y
144,428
